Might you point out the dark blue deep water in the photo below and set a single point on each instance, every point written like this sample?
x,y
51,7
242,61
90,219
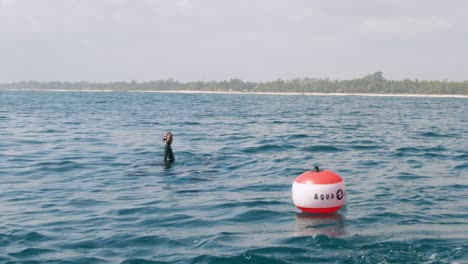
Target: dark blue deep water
x,y
82,178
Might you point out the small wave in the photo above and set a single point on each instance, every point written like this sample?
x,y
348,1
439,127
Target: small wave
x,y
462,157
126,240
261,187
32,236
58,166
455,187
298,136
413,251
189,191
421,149
277,122
461,166
242,258
134,211
72,123
189,123
83,260
31,252
144,261
28,238
436,135
256,215
431,152
369,163
83,202
29,142
410,176
249,204
323,148
365,147
268,148
52,131
83,244
170,220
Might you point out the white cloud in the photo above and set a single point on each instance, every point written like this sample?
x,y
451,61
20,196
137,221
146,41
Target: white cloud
x,y
405,26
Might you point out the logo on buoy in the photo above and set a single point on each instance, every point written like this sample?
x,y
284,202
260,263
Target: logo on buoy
x,y
319,191
339,194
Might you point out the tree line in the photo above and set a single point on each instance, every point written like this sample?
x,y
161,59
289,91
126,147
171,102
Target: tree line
x,y
372,83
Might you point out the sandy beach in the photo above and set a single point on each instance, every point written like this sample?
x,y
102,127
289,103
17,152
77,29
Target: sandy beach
x,y
257,93
317,94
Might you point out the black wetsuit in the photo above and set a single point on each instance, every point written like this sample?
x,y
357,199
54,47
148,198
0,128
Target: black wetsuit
x,y
168,154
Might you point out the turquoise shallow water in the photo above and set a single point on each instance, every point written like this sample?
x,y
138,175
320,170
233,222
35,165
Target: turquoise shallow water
x,y
82,178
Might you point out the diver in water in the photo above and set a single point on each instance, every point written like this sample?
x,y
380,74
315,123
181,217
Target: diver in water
x,y
168,154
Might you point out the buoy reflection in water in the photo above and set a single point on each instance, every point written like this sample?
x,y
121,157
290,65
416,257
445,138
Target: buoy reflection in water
x,y
320,224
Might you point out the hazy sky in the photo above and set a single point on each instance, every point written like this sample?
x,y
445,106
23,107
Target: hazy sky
x,y
255,40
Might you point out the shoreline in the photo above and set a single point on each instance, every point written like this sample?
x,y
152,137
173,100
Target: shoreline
x,y
251,93
311,94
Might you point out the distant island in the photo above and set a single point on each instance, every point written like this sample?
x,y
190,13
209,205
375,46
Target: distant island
x,y
370,84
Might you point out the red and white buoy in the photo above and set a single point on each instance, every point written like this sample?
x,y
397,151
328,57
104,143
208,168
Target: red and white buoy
x,y
319,191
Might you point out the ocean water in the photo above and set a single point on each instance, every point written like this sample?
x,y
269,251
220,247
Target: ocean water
x,y
82,178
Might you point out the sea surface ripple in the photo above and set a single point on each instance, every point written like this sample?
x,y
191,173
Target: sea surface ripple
x,y
82,178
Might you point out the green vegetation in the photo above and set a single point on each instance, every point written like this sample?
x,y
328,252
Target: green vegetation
x,y
373,83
